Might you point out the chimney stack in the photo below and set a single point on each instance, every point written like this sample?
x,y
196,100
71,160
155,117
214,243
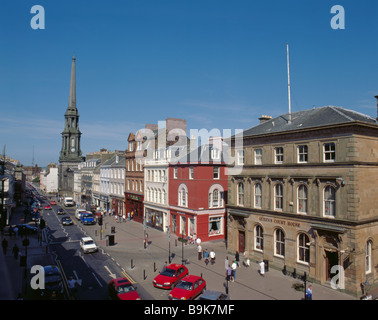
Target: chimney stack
x,y
376,97
264,118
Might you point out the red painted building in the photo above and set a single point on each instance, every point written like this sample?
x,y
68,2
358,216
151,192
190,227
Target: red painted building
x,y
198,194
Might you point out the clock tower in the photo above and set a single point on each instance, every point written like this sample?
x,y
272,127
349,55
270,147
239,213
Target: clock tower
x,y
70,154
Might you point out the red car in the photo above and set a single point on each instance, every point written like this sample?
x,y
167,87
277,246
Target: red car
x,y
53,203
122,289
47,207
170,276
188,288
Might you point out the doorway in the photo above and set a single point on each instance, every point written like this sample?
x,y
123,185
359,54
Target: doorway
x,y
241,241
331,259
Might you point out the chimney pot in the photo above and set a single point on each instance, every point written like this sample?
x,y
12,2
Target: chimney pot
x,y
264,118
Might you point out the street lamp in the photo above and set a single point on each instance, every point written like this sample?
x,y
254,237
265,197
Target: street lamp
x,y
169,244
182,241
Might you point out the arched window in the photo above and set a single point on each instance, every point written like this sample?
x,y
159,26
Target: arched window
x,y
259,238
240,194
329,201
302,199
183,195
278,197
303,248
216,194
279,241
258,195
368,257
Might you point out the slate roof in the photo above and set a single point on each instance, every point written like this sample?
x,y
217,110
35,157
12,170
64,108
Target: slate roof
x,y
317,117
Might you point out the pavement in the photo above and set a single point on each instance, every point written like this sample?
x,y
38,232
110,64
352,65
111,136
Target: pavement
x,y
141,264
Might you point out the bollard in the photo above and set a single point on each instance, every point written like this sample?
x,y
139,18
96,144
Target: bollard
x,y
132,266
144,274
154,267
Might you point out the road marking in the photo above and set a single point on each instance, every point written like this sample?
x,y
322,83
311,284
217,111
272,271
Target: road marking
x,y
110,273
79,281
97,280
128,277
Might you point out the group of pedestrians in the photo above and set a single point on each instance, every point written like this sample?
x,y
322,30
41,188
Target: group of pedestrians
x,y
208,256
15,249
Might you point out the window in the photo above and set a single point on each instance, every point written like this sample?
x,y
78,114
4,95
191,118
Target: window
x,y
175,169
259,238
368,262
302,199
279,241
278,197
329,152
258,156
183,196
278,155
191,173
329,201
130,146
303,248
216,172
240,157
302,154
240,194
215,226
258,195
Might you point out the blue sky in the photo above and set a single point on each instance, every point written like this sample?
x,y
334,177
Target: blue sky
x,y
216,63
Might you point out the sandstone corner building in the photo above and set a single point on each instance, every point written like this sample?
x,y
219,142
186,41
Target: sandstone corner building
x,y
303,195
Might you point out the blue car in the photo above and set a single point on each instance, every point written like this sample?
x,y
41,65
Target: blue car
x,y
87,218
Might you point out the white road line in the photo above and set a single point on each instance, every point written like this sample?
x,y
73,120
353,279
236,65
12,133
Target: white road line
x,y
97,280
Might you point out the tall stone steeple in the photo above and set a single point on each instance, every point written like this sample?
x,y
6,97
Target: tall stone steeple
x,y
70,154
71,134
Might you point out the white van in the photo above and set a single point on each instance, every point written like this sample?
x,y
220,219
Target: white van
x,y
88,245
68,202
78,213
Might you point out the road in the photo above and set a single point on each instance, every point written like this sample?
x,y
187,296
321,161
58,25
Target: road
x,y
93,271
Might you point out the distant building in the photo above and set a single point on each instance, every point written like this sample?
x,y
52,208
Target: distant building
x,y
48,180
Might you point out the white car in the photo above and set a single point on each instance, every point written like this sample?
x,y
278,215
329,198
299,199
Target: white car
x,y
87,244
78,213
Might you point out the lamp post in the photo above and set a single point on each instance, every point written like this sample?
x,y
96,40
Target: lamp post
x,y
169,244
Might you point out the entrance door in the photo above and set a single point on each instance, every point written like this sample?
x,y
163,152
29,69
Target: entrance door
x,y
331,260
241,241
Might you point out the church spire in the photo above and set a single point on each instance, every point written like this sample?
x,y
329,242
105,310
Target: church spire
x,y
72,97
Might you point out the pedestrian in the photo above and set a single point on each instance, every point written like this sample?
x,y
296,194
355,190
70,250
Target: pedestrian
x,y
206,256
229,274
132,214
5,246
128,216
309,293
237,258
233,267
15,251
146,239
199,249
262,268
72,285
116,219
124,217
15,229
212,256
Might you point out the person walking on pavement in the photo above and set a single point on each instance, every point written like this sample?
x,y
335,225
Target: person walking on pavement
x,y
5,246
233,267
72,285
206,256
212,256
262,268
237,258
309,293
15,251
199,249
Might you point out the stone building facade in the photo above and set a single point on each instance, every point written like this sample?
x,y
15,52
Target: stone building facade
x,y
302,195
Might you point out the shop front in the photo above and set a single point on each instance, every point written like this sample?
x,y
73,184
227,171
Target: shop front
x,y
156,218
134,206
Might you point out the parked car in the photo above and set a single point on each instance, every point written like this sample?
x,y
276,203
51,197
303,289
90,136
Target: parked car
x,y
53,283
213,295
53,203
122,289
24,229
87,244
188,288
170,276
87,218
60,211
67,221
47,207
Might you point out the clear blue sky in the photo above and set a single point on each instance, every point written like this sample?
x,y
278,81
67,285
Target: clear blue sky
x,y
216,63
